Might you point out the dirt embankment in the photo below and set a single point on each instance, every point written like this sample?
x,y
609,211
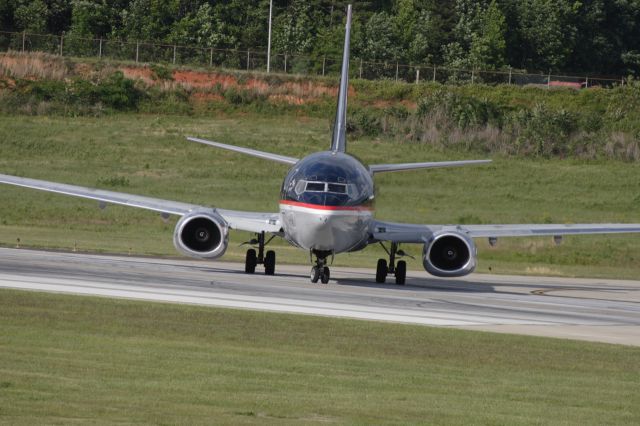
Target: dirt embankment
x,y
201,85
206,86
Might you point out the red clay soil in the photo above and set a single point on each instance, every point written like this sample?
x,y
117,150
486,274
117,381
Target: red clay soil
x,y
203,79
294,92
143,73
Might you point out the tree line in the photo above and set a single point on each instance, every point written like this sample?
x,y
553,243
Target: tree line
x,y
586,36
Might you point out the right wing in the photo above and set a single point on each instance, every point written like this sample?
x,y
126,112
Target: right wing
x,y
413,233
245,221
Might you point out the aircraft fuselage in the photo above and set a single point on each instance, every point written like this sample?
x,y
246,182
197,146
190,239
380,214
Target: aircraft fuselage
x,y
326,203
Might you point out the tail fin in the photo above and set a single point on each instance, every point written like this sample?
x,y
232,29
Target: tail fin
x,y
339,139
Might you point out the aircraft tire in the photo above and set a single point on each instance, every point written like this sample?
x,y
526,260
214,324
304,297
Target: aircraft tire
x,y
315,274
324,278
250,262
270,263
401,272
381,271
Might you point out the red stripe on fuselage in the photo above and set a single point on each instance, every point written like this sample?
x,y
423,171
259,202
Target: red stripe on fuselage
x,y
329,208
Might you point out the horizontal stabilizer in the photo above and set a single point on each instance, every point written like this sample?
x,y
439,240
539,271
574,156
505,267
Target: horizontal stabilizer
x,y
379,168
248,151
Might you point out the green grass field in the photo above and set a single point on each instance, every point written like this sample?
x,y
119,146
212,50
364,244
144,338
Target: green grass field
x,y
71,359
148,155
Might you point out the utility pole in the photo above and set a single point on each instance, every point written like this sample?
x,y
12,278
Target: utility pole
x,y
269,42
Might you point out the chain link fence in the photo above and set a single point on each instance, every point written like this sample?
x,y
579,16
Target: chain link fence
x,y
256,60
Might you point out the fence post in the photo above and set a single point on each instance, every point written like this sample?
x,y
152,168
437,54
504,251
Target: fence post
x,y
434,73
472,75
248,58
100,49
137,51
360,68
586,83
509,75
61,43
396,71
285,63
417,75
174,54
24,36
549,80
211,58
324,59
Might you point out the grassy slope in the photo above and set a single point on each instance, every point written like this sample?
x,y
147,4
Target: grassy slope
x,y
147,154
67,359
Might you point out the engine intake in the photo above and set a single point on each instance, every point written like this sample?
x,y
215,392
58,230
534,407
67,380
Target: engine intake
x,y
202,234
449,254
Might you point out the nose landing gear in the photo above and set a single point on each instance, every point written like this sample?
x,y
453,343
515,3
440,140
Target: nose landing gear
x,y
252,259
399,270
320,271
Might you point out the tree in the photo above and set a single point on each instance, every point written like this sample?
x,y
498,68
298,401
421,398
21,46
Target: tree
x,y
205,27
147,19
488,44
377,40
548,30
91,18
293,30
31,16
419,32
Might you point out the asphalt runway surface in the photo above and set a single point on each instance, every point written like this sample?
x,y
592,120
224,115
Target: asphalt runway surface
x,y
586,309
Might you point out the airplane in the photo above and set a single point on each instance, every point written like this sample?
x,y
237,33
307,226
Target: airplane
x,y
327,208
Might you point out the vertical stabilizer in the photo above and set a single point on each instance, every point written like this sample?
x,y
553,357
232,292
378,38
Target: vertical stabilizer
x,y
339,140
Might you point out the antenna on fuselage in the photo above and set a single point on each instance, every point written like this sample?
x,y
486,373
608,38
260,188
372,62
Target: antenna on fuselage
x,y
339,139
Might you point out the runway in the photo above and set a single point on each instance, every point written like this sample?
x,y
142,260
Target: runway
x,y
586,309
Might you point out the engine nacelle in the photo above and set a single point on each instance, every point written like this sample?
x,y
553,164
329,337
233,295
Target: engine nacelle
x,y
203,234
449,254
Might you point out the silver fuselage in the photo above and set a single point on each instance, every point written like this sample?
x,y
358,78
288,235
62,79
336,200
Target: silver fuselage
x,y
326,203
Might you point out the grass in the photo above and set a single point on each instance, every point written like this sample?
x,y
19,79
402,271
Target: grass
x,y
71,359
147,154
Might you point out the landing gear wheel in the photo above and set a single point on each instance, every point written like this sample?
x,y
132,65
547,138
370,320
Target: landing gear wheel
x,y
315,274
270,263
401,272
250,262
381,271
325,275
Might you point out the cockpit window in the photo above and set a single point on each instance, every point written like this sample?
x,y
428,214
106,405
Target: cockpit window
x,y
338,188
315,186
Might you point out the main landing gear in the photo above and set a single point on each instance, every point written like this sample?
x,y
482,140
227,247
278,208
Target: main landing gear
x,y
399,270
320,271
252,259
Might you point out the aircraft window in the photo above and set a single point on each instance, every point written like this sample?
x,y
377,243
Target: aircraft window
x,y
299,189
339,188
315,186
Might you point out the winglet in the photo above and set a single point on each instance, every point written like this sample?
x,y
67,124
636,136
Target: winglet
x,y
339,139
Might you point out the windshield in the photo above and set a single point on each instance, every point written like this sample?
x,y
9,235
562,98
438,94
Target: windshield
x,y
329,179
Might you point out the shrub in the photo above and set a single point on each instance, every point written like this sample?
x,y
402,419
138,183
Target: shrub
x,y
119,92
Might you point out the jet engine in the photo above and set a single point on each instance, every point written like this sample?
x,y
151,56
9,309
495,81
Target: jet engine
x,y
202,234
449,254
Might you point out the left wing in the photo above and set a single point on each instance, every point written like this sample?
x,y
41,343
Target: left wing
x,y
245,221
409,233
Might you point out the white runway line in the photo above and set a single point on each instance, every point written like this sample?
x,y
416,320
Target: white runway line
x,y
213,298
597,310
